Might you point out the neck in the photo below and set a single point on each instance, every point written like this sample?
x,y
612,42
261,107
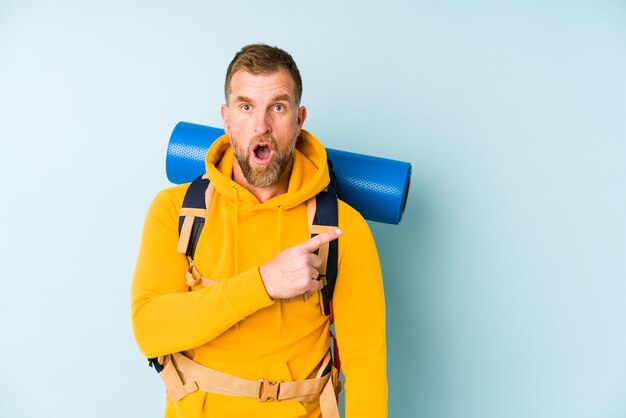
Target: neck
x,y
263,194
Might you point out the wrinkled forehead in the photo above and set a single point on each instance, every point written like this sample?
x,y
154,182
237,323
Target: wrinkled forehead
x,y
262,84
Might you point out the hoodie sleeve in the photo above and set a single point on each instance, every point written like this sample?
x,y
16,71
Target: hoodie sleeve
x,y
359,307
166,317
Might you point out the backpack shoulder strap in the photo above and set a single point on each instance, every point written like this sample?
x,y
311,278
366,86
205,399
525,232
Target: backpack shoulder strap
x,y
193,213
191,221
323,217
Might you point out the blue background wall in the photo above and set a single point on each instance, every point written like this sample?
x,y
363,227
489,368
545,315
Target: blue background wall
x,y
505,283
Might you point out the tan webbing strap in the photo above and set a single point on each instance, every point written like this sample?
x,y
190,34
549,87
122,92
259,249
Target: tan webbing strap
x,y
325,362
195,212
311,206
182,376
328,399
194,278
185,234
323,251
193,275
323,254
190,214
318,229
175,387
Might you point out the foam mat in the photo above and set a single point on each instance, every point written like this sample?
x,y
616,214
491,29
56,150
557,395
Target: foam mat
x,y
377,187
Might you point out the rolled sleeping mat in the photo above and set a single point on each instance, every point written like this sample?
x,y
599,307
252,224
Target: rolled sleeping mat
x,y
376,187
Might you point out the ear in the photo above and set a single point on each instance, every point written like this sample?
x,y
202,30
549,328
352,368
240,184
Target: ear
x,y
224,111
301,117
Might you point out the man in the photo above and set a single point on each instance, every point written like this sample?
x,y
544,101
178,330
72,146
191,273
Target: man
x,y
254,319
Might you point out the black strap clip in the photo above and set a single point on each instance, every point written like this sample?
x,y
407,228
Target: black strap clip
x,y
154,362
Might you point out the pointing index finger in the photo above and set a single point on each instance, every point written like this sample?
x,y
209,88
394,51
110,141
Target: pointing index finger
x,y
317,241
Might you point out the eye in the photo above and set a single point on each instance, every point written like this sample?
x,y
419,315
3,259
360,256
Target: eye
x,y
279,108
245,107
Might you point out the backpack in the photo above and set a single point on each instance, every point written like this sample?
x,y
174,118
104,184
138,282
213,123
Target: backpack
x,y
323,205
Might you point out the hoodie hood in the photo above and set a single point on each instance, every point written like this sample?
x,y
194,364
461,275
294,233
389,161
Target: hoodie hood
x,y
309,174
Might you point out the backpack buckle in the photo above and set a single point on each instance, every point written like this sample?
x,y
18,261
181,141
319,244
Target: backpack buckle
x,y
157,363
269,390
322,280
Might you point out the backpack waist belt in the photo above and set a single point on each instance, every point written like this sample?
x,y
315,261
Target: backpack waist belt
x,y
183,376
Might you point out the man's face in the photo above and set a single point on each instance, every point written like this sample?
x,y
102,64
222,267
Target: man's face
x,y
263,121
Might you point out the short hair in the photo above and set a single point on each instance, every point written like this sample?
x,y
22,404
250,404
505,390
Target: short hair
x,y
263,59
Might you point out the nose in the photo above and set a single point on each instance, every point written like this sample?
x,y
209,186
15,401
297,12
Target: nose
x,y
262,124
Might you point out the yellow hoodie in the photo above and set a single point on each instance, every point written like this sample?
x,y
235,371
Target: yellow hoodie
x,y
234,326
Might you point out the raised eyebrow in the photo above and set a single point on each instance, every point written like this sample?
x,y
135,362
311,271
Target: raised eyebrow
x,y
244,99
281,98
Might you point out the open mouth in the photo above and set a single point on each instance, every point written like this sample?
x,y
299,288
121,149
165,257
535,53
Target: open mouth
x,y
262,152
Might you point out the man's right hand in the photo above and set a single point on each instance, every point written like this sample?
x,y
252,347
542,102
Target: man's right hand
x,y
294,270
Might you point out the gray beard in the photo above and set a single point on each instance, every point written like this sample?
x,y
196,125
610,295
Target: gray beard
x,y
263,177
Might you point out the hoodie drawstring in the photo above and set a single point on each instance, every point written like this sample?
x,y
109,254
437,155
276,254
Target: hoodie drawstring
x,y
278,250
235,230
236,238
279,245
279,229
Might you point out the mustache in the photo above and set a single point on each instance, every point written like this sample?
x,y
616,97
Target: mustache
x,y
265,139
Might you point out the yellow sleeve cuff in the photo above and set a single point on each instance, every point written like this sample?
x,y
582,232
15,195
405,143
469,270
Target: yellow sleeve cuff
x,y
247,293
